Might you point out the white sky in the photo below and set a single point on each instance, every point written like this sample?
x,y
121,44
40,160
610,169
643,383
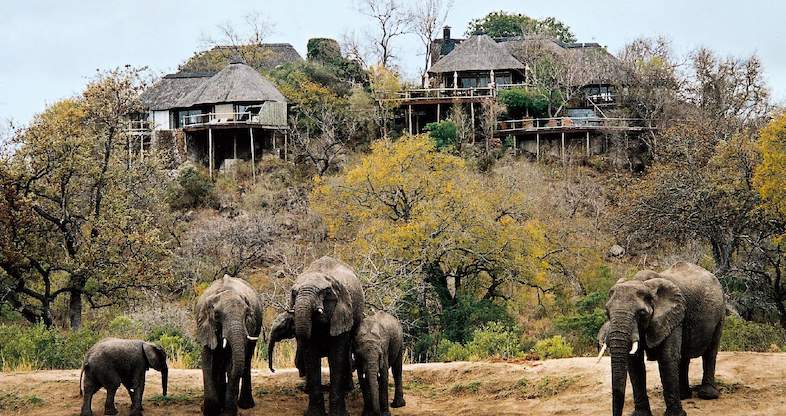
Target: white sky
x,y
49,49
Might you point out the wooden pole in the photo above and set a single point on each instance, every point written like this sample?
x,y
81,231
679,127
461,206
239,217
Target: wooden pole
x,y
515,145
563,147
409,118
286,146
253,159
210,151
438,111
537,146
234,144
185,146
472,116
141,148
588,144
274,139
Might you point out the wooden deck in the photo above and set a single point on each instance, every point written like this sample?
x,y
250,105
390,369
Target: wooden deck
x,y
570,124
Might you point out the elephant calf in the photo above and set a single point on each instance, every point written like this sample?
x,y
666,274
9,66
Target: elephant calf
x,y
378,346
112,362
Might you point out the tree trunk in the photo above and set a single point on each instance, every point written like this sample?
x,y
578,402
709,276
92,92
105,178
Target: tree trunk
x,y
75,309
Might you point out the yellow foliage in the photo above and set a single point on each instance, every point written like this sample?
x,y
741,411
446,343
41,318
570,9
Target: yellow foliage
x,y
408,203
770,177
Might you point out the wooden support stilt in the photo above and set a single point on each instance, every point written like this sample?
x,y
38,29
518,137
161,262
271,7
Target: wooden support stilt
x,y
537,146
588,145
210,151
141,148
185,146
472,116
515,145
409,118
286,146
438,112
253,159
234,145
563,147
273,135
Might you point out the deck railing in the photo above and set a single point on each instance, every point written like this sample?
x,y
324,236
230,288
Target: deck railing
x,y
417,94
270,114
561,123
138,126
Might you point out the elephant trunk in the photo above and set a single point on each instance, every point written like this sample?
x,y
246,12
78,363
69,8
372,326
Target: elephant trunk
x,y
373,387
619,342
304,308
164,379
237,342
271,344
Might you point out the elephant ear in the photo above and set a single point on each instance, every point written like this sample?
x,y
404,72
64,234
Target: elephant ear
x,y
156,357
343,316
668,311
206,322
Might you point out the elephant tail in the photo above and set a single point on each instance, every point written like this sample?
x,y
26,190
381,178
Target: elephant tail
x,y
81,373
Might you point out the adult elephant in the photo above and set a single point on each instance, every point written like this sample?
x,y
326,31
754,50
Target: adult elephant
x,y
674,315
229,319
327,303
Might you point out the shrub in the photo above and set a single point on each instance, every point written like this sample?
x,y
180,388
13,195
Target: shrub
x,y
468,313
181,350
587,320
742,335
38,347
493,340
520,101
554,347
443,133
124,327
448,350
192,189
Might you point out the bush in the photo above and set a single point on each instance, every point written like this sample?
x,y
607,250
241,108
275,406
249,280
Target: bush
x,y
124,327
192,189
554,347
181,350
742,335
443,133
493,340
468,313
520,101
586,322
38,347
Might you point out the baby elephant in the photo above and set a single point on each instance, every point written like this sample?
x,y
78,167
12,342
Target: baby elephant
x,y
112,362
378,346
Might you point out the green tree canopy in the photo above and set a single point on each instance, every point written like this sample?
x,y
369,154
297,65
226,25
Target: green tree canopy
x,y
504,24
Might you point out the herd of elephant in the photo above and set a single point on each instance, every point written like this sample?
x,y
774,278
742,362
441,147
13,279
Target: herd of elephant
x,y
673,316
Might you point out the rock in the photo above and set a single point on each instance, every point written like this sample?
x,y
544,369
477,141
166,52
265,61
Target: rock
x,y
616,251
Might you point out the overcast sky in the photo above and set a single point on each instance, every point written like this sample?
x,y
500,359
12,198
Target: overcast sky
x,y
49,49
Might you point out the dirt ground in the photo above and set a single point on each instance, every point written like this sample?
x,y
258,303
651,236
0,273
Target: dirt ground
x,y
751,384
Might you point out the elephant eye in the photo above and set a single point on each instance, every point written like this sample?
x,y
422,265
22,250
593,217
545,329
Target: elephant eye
x,y
643,312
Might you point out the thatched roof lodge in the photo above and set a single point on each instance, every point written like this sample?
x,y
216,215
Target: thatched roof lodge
x,y
479,53
235,113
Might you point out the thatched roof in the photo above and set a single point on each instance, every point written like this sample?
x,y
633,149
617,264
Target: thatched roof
x,y
169,90
237,82
478,53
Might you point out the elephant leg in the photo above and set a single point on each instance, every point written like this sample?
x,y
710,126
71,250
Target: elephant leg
x,y
638,380
685,392
384,405
246,400
367,409
211,374
348,382
313,367
669,368
338,362
398,395
109,405
89,389
137,395
708,389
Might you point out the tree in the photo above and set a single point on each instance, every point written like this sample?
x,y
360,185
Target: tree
x,y
503,24
491,110
426,18
78,221
391,21
243,41
770,175
431,226
443,133
385,87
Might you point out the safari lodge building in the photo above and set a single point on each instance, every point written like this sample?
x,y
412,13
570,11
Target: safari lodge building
x,y
467,72
215,119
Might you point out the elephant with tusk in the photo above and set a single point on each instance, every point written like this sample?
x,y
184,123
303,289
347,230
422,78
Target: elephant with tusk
x,y
674,316
327,303
229,319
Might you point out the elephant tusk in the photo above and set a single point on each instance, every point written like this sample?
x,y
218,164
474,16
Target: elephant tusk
x,y
602,350
252,338
320,311
635,347
225,343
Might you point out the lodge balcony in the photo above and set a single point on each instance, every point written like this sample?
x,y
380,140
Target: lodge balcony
x,y
570,124
444,95
270,116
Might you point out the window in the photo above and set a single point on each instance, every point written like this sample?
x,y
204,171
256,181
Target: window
x,y
186,117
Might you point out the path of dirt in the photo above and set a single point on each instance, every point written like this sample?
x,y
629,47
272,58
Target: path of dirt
x,y
752,384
